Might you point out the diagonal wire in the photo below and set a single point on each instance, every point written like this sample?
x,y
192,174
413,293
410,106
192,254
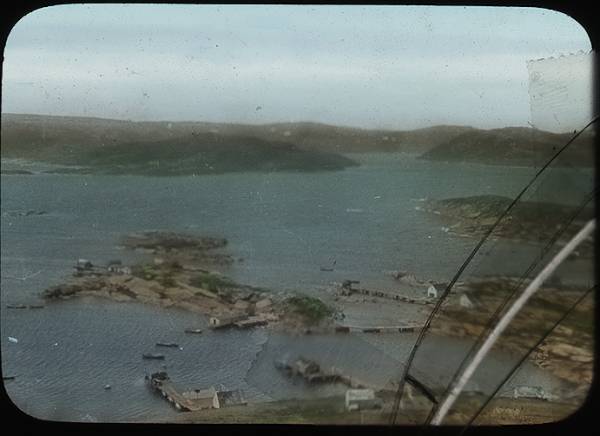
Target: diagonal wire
x,y
444,295
510,296
524,358
507,318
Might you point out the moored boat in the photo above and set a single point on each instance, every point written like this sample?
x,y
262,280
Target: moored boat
x,y
167,344
153,356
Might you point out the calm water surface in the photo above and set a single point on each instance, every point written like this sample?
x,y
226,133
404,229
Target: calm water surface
x,y
282,226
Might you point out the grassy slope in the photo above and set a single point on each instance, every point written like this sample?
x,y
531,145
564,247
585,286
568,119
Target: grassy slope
x,y
120,147
527,220
483,210
75,140
24,135
208,153
516,146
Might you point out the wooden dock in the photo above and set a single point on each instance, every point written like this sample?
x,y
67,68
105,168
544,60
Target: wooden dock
x,y
378,329
161,383
252,321
195,399
173,396
389,296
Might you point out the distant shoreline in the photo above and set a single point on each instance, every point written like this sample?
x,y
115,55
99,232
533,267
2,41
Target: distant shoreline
x,y
528,222
178,148
271,123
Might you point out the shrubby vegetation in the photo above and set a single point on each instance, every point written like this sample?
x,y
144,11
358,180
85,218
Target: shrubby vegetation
x,y
310,308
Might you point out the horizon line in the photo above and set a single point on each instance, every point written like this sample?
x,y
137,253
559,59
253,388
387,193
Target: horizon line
x,y
528,125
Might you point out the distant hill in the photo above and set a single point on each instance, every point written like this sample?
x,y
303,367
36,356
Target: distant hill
x,y
115,146
22,134
515,146
207,153
92,145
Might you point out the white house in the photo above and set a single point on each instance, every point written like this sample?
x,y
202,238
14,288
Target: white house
x,y
432,291
530,392
84,264
224,321
360,399
119,269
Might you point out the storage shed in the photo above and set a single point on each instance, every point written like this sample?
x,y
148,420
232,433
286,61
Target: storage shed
x,y
361,399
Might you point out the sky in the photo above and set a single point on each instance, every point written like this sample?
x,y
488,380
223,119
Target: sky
x,y
392,67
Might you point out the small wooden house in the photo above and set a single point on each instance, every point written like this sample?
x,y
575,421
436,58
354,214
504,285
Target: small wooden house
x,y
530,392
432,291
83,264
361,399
216,322
119,269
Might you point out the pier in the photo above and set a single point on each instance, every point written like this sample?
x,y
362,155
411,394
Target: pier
x,y
347,289
196,399
161,383
396,297
378,329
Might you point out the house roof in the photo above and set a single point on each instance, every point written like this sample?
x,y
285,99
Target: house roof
x,y
360,394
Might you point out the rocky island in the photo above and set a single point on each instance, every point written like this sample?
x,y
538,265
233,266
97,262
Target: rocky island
x,y
528,221
182,271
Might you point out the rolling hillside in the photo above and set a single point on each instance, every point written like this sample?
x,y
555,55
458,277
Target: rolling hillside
x,y
515,146
116,146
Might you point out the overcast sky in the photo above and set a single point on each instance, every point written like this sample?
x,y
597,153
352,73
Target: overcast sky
x,y
391,67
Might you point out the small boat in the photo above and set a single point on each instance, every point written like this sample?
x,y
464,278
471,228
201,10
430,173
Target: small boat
x,y
8,377
167,344
153,356
107,387
326,269
36,306
16,306
193,331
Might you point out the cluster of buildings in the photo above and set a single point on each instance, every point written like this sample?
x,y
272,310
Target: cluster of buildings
x,y
195,399
84,266
245,320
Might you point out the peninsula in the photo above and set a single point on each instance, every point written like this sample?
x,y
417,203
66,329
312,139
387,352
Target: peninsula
x,y
528,221
182,271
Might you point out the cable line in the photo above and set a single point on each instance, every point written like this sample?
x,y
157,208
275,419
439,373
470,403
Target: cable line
x,y
436,308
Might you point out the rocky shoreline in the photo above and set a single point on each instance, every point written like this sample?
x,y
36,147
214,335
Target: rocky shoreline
x,y
567,352
182,272
331,411
527,222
